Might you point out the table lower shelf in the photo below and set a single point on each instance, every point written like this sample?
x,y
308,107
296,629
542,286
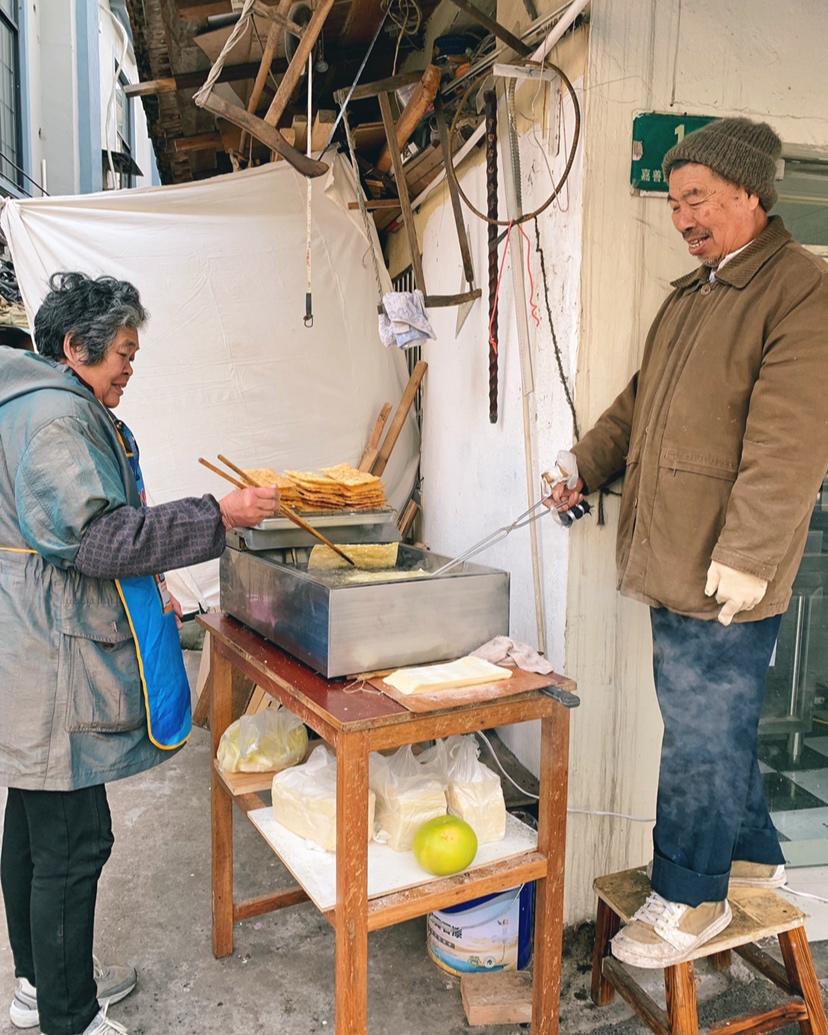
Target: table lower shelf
x,y
391,873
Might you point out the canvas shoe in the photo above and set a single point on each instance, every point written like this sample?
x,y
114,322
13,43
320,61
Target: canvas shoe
x,y
749,875
114,984
662,933
757,875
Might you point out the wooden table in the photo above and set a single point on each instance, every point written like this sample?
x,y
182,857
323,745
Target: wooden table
x,y
355,724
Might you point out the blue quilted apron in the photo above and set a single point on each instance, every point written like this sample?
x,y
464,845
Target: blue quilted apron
x,y
154,629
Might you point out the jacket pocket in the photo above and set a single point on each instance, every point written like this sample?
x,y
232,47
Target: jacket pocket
x,y
104,693
693,461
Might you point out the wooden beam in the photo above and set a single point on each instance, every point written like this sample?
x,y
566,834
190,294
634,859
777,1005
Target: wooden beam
x,y
412,114
191,80
270,46
374,203
394,82
298,63
495,28
195,10
197,142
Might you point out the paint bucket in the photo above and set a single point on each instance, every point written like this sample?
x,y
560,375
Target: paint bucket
x,y
486,934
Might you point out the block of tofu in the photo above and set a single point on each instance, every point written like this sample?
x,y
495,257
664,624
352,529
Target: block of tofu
x,y
370,556
304,800
430,679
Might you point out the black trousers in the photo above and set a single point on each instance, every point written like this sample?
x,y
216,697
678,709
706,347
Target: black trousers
x,y
55,845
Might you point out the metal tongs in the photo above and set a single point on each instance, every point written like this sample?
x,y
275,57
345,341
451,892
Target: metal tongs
x,y
528,517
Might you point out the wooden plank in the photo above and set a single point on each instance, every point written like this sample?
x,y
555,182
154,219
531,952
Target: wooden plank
x,y
201,712
151,87
399,418
646,1007
766,965
720,960
369,456
412,115
495,28
680,991
298,63
788,1013
501,998
197,142
408,517
520,682
244,783
196,10
352,885
456,204
549,890
402,191
389,85
251,907
361,21
390,204
800,967
451,891
192,80
221,821
273,36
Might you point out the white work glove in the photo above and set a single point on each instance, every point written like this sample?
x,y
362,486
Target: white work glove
x,y
737,590
566,469
245,508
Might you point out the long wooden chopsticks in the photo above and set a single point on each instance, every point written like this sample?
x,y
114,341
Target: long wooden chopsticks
x,y
289,513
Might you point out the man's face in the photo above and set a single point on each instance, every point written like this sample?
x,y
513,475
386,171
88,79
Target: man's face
x,y
109,378
713,216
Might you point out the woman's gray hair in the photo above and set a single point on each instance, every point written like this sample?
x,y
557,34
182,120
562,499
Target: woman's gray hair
x,y
91,310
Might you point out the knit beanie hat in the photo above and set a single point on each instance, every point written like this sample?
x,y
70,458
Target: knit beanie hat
x,y
739,150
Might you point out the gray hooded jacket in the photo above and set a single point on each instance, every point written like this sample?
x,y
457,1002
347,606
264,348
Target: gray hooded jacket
x,y
70,694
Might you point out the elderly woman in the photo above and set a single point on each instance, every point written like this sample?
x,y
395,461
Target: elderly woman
x,y
91,676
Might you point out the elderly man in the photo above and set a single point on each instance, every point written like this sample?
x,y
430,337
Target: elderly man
x,y
723,435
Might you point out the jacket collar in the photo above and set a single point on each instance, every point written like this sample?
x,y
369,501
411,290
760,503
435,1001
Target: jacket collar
x,y
742,268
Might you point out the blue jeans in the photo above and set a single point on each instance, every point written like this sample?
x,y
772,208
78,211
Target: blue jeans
x,y
710,683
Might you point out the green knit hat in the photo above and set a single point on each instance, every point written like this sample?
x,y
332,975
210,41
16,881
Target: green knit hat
x,y
739,150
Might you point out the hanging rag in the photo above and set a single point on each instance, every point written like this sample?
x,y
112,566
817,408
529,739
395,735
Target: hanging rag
x,y
503,648
404,322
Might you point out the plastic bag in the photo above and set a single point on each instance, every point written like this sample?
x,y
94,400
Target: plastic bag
x,y
304,799
407,796
473,791
269,740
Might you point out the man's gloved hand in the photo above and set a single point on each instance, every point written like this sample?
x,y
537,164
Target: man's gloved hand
x,y
568,486
245,508
737,590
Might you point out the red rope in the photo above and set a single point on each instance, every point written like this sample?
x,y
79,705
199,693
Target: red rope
x,y
533,306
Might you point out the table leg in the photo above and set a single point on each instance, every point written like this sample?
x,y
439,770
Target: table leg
x,y
352,884
221,812
554,763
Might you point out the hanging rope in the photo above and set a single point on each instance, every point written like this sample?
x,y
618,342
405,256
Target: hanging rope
x,y
308,321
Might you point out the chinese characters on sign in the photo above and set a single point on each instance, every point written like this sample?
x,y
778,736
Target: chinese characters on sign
x,y
653,136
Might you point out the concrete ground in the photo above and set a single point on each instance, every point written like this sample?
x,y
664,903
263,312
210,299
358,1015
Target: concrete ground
x,y
154,911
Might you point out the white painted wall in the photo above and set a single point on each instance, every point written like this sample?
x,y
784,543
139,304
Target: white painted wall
x,y
474,478
719,57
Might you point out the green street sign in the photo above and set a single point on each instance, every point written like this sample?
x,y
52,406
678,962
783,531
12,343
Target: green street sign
x,y
653,136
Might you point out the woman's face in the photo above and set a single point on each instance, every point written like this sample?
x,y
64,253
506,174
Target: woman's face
x,y
109,378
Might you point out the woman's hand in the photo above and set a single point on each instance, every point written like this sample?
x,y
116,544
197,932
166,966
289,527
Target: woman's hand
x,y
244,508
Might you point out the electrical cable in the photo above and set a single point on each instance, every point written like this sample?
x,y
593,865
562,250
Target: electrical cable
x,y
529,794
451,172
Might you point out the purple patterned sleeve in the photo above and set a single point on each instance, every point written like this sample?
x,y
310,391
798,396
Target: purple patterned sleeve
x,y
133,541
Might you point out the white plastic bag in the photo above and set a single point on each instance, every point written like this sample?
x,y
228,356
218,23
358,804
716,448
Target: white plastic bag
x,y
407,796
473,791
269,740
304,799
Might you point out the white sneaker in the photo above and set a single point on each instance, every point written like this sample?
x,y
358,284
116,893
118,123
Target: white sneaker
x,y
748,875
103,1025
114,984
662,933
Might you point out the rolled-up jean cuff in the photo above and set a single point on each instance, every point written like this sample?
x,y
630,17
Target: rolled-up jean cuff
x,y
759,847
677,884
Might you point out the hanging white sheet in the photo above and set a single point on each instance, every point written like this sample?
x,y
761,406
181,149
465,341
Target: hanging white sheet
x,y
226,365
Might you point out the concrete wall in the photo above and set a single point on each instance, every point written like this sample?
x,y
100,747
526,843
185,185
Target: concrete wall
x,y
719,57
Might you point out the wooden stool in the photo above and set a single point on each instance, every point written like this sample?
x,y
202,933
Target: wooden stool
x,y
756,914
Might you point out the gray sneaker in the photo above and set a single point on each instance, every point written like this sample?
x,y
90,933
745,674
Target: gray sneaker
x,y
114,984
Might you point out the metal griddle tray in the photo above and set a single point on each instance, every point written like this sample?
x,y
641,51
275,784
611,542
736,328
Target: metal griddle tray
x,y
346,526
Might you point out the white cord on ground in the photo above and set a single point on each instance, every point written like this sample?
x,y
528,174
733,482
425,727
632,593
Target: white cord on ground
x,y
584,812
802,894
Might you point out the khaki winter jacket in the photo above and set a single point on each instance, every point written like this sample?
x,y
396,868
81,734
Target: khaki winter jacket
x,y
723,432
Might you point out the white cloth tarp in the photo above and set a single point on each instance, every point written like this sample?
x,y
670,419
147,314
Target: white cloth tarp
x,y
226,365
